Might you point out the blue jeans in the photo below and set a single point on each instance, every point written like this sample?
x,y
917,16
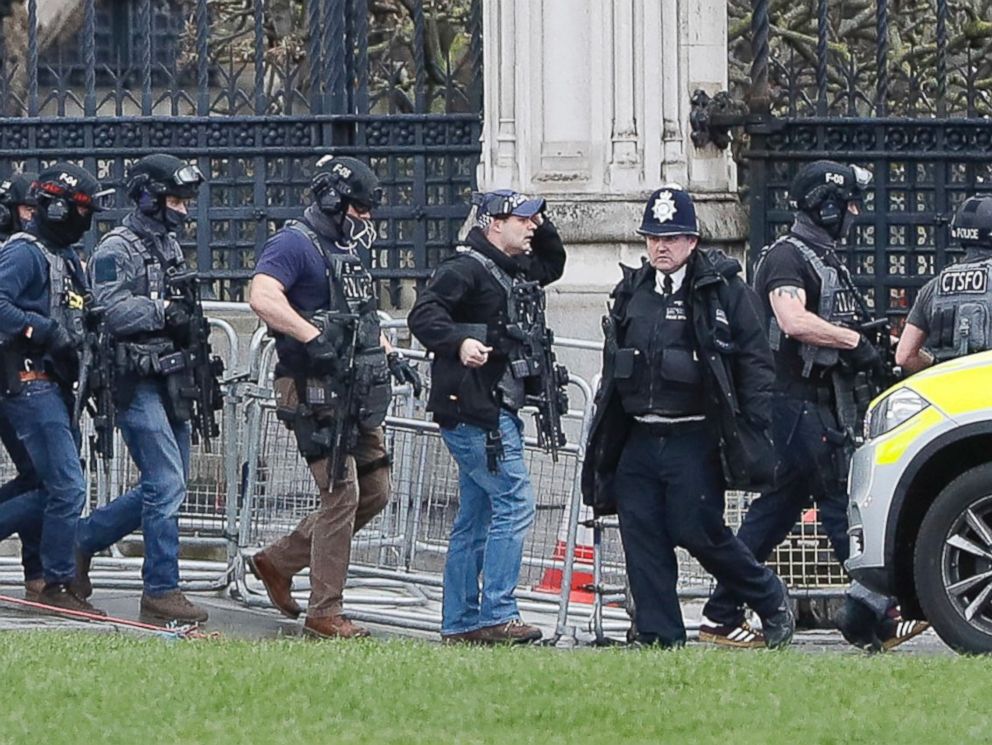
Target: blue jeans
x,y
160,449
487,538
39,415
26,480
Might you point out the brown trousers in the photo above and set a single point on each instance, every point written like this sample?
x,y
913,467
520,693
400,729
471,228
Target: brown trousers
x,y
322,540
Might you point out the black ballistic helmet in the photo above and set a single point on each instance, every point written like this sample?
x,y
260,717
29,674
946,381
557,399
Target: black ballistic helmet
x,y
972,224
64,185
162,175
15,191
340,181
669,211
822,189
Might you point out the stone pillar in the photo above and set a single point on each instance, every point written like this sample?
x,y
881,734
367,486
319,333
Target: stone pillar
x,y
587,104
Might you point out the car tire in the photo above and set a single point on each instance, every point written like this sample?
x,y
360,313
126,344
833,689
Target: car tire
x,y
951,581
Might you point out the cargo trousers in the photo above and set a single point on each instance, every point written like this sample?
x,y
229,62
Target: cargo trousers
x,y
322,539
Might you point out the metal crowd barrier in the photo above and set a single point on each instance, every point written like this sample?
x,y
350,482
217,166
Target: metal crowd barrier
x,y
254,487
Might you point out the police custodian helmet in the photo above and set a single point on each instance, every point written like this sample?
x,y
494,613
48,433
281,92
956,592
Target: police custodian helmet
x,y
669,211
972,224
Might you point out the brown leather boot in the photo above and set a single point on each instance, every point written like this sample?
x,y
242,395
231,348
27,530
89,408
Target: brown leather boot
x,y
334,627
33,588
171,607
279,588
60,595
511,632
82,585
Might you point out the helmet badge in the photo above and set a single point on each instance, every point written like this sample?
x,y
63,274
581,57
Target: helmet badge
x,y
663,208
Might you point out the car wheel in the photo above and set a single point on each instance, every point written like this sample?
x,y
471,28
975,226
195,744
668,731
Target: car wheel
x,y
953,562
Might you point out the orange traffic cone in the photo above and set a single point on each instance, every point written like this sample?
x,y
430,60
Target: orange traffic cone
x,y
581,563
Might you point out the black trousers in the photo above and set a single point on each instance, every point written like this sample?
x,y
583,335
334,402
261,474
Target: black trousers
x,y
669,494
808,468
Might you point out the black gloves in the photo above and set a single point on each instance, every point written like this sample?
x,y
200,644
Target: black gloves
x,y
324,350
401,370
864,356
58,342
176,315
177,322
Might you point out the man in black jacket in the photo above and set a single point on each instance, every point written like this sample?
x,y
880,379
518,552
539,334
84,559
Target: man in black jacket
x,y
461,316
687,381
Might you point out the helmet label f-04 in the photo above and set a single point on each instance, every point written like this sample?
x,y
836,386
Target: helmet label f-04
x,y
964,281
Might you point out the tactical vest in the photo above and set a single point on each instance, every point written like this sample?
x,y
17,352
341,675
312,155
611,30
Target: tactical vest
x,y
512,388
657,368
154,269
838,305
352,291
961,314
66,305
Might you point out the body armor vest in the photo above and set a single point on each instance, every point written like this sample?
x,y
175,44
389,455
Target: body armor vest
x,y
67,297
961,314
352,292
657,368
512,388
838,305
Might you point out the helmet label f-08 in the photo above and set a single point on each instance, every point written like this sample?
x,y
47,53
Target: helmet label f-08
x,y
834,178
964,281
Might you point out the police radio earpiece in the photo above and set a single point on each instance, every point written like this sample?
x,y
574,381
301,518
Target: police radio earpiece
x,y
55,209
325,192
831,212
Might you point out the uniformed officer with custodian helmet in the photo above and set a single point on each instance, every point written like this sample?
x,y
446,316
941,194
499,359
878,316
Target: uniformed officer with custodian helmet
x,y
683,412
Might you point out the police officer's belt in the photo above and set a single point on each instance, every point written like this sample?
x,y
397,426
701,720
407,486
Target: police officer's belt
x,y
808,390
670,429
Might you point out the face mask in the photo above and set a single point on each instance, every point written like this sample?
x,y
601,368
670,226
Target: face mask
x,y
358,233
66,233
175,221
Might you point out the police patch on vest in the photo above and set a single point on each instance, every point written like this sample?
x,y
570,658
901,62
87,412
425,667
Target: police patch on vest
x,y
964,282
844,304
675,311
356,283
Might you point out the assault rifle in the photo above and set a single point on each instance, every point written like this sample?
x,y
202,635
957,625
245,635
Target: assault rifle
x,y
535,363
95,389
204,368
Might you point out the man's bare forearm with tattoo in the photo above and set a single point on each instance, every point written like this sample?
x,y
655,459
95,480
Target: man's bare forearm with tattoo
x,y
789,305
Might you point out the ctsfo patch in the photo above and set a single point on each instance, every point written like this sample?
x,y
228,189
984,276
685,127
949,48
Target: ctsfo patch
x,y
964,282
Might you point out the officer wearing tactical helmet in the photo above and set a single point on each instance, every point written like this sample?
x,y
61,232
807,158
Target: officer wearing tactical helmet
x,y
812,315
16,210
309,268
683,412
952,314
128,271
462,317
42,293
17,203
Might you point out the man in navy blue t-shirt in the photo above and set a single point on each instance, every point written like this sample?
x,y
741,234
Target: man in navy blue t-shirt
x,y
311,265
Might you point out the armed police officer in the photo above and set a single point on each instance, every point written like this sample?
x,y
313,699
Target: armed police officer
x,y
952,315
42,296
463,316
683,412
132,272
332,384
814,318
17,206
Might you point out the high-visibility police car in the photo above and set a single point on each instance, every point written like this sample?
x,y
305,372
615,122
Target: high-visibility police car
x,y
921,499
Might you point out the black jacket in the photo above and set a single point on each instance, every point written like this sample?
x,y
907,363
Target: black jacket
x,y
738,377
464,300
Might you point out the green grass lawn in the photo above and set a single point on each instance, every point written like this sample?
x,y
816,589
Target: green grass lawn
x,y
88,689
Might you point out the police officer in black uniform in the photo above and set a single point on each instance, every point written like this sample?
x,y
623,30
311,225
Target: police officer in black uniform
x,y
130,269
812,324
17,206
952,315
42,297
309,287
685,395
